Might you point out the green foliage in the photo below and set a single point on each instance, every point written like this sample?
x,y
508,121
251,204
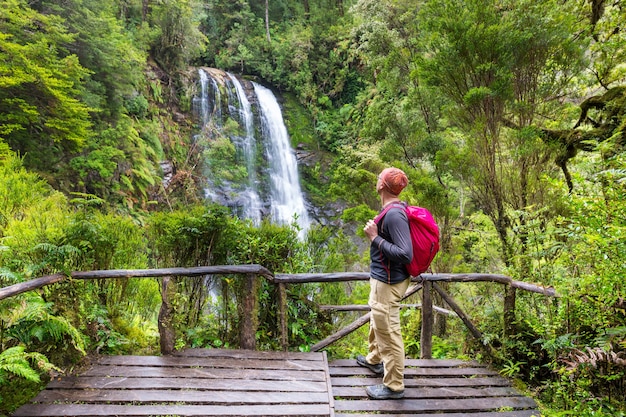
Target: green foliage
x,y
104,47
179,41
119,165
20,190
20,373
223,163
18,362
31,215
31,323
41,112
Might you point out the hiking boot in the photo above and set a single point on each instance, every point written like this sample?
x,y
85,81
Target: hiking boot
x,y
381,392
378,368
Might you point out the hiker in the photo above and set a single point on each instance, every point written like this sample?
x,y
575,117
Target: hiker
x,y
390,251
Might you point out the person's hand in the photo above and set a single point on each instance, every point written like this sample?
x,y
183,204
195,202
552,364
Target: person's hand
x,y
371,230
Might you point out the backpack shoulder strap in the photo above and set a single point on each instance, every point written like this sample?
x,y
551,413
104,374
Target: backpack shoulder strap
x,y
399,204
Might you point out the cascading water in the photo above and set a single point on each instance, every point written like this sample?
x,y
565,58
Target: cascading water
x,y
252,205
271,188
286,195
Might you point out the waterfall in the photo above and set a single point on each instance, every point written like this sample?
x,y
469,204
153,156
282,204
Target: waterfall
x,y
208,101
271,187
286,195
242,112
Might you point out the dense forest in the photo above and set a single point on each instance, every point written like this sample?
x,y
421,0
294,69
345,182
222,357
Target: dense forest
x,y
508,116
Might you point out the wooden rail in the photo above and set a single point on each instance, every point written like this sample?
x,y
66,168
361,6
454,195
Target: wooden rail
x,y
425,282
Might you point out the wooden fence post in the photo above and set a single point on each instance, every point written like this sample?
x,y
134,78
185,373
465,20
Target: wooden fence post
x,y
426,338
282,297
249,312
166,327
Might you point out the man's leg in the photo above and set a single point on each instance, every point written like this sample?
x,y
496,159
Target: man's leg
x,y
385,323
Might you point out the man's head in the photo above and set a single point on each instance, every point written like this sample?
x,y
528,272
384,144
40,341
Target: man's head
x,y
393,180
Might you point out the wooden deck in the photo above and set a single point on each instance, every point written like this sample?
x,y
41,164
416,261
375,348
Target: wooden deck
x,y
433,388
200,382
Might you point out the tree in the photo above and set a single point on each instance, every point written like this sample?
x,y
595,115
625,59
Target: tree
x,y
180,41
500,64
41,112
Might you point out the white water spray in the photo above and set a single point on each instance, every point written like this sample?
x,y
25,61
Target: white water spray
x,y
286,195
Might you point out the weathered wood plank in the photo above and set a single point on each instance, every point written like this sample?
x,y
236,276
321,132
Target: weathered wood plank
x,y
329,387
191,362
429,392
427,382
55,410
186,383
422,363
211,373
249,354
180,396
437,405
517,413
409,372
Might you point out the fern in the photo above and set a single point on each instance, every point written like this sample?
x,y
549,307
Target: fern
x,y
594,357
31,319
17,361
7,277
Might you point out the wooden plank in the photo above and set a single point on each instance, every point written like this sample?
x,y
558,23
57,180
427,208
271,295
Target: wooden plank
x,y
517,413
437,405
232,363
214,373
55,410
421,363
329,387
441,392
427,382
248,354
410,372
180,396
186,383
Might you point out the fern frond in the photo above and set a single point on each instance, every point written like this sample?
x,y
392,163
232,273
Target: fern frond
x,y
33,320
593,357
17,361
8,277
22,370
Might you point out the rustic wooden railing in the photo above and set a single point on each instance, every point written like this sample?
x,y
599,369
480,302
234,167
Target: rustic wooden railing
x,y
252,275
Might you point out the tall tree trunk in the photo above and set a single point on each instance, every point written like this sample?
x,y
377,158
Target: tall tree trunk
x,y
307,10
145,7
267,20
340,7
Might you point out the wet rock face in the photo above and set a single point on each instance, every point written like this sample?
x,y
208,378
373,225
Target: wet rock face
x,y
168,172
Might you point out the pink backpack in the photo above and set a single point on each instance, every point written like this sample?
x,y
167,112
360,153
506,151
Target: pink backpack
x,y
424,236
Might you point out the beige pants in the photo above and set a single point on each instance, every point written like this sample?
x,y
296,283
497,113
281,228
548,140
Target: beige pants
x,y
385,337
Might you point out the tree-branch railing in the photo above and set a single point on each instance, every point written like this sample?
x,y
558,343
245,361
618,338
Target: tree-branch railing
x,y
252,273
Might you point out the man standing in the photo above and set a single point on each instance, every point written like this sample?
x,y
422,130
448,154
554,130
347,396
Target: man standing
x,y
390,251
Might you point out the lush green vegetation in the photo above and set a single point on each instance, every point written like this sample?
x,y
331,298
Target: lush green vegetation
x,y
508,116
